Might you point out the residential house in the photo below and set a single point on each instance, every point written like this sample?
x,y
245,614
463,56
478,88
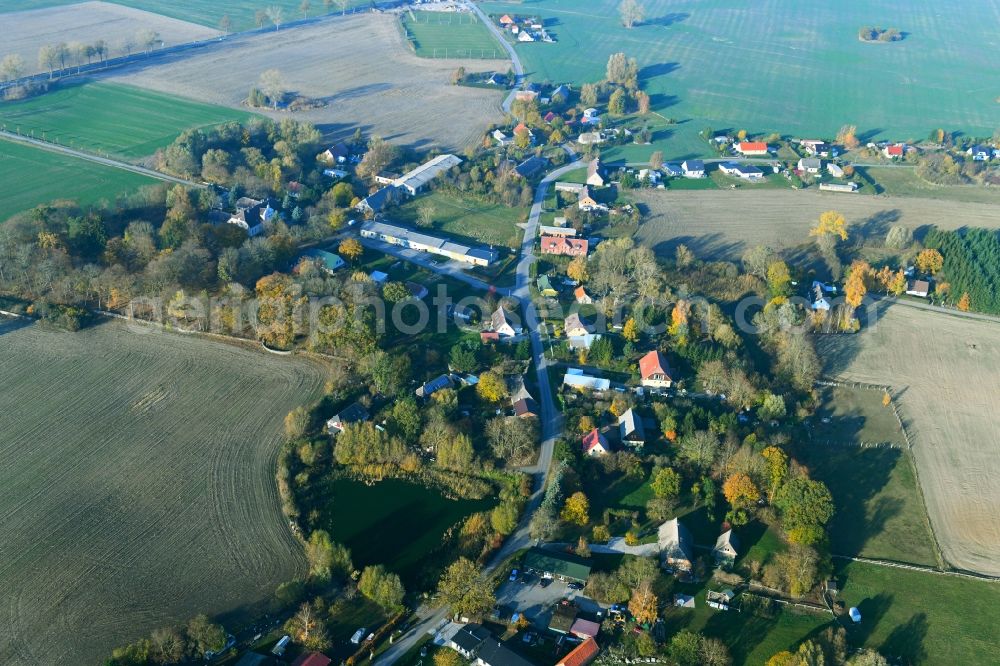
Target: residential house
x,y
525,36
676,545
502,139
525,408
651,176
506,20
468,639
354,413
415,240
574,326
810,165
526,95
585,629
919,288
726,547
571,188
435,385
590,116
328,261
819,297
336,154
531,167
835,170
582,654
595,444
654,371
582,296
630,429
312,659
744,171
378,201
545,287
693,168
252,214
576,379
501,325
894,150
588,203
556,564
493,653
562,90
571,247
839,187
594,176
751,148
673,170
590,138
568,232
522,129
980,153
336,174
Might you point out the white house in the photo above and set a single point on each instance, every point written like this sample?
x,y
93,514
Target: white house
x,y
810,165
501,138
590,116
575,378
501,325
835,170
726,547
744,171
251,215
652,175
693,168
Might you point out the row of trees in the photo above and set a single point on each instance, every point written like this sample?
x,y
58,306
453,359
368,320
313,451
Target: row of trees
x,y
172,645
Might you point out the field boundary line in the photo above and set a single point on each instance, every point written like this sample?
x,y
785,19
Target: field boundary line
x,y
885,388
96,159
923,569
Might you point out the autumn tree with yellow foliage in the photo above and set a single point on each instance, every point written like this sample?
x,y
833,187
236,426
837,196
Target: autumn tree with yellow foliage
x,y
576,509
644,605
741,493
930,261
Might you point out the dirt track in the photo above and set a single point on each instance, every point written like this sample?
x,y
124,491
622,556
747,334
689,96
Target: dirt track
x,y
358,64
26,32
136,485
944,369
722,224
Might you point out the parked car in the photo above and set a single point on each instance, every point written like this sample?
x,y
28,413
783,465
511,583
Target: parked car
x,y
575,585
546,582
513,576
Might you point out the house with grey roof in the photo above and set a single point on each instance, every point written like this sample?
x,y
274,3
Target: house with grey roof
x,y
676,545
726,547
395,234
630,429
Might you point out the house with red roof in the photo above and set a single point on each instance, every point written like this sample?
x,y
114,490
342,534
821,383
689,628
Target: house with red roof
x,y
654,370
550,116
595,444
582,654
521,129
506,20
582,296
894,150
748,148
312,659
571,247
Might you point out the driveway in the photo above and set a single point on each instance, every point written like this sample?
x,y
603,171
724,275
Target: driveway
x,y
537,603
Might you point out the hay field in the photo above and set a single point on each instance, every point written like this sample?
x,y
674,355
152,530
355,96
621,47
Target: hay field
x,y
792,67
943,368
32,176
722,224
137,485
111,119
86,22
360,65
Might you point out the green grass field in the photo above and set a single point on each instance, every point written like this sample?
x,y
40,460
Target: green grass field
x,y
450,35
922,618
467,218
880,512
199,11
797,68
109,118
395,523
32,176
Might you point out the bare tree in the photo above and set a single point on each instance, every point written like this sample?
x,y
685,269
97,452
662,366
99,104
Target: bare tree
x,y
226,24
126,46
147,38
101,49
276,15
11,67
47,58
62,54
78,51
260,17
425,215
304,7
631,12
343,6
273,85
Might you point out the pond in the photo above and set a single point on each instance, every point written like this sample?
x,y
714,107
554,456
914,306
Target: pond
x,y
396,523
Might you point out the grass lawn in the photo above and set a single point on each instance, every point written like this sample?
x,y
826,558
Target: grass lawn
x,y
346,617
32,176
198,11
450,35
394,522
467,219
922,618
789,67
880,512
110,118
905,182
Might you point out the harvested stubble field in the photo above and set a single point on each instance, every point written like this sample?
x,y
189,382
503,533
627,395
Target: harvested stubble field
x,y
943,369
359,65
722,224
33,176
136,485
87,22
